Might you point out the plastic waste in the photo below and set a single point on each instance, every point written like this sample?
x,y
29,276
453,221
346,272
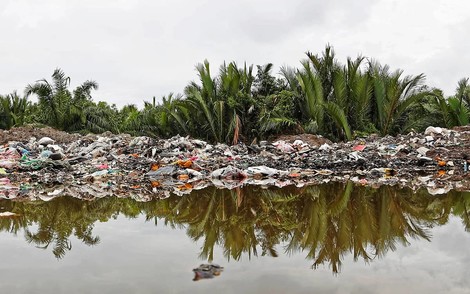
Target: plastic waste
x,y
7,189
168,170
265,171
429,138
8,164
359,147
45,154
100,173
56,156
325,147
207,271
283,146
45,141
422,150
141,166
228,173
436,130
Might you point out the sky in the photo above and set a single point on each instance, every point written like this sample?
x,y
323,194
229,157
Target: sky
x,y
137,49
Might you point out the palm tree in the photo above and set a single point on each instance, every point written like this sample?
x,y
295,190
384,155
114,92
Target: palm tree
x,y
352,92
220,106
13,110
312,88
463,91
455,110
59,107
175,117
393,95
324,85
130,119
101,117
264,83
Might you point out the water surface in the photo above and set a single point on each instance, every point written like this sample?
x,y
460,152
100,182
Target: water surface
x,y
326,239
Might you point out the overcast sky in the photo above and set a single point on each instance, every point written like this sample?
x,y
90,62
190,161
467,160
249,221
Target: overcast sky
x,y
137,49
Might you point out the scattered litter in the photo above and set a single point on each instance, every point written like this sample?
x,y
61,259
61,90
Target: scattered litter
x,y
104,165
422,150
45,141
325,147
359,147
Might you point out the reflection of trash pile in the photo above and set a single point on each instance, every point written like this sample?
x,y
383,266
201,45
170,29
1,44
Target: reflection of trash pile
x,y
207,271
144,168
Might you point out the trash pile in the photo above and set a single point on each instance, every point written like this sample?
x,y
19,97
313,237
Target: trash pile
x,y
144,168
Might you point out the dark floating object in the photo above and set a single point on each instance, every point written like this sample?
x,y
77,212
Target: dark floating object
x,y
207,271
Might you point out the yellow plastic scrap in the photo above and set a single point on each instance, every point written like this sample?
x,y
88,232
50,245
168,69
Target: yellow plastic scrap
x,y
155,184
440,162
183,177
186,186
389,172
185,163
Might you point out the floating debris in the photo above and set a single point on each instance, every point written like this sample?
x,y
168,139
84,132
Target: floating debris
x,y
8,214
207,271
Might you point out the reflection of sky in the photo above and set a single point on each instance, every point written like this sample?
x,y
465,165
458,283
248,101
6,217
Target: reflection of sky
x,y
137,257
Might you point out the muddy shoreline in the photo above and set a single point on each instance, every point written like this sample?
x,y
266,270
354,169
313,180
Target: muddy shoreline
x,y
46,163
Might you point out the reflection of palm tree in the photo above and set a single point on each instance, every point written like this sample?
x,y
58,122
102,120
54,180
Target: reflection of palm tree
x,y
364,221
44,238
12,224
461,207
326,221
57,221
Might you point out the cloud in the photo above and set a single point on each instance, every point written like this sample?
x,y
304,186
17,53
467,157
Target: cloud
x,y
447,66
139,49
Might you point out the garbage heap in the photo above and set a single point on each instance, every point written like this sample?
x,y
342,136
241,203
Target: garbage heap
x,y
145,168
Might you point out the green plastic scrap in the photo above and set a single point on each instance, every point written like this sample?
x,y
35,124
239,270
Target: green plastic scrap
x,y
31,163
25,187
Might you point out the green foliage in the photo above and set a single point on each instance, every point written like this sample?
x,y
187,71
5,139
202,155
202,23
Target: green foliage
x,y
393,96
339,117
220,107
265,83
66,110
326,222
454,110
13,110
278,114
323,96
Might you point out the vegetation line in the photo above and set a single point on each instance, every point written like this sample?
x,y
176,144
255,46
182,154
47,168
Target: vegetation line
x,y
323,96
